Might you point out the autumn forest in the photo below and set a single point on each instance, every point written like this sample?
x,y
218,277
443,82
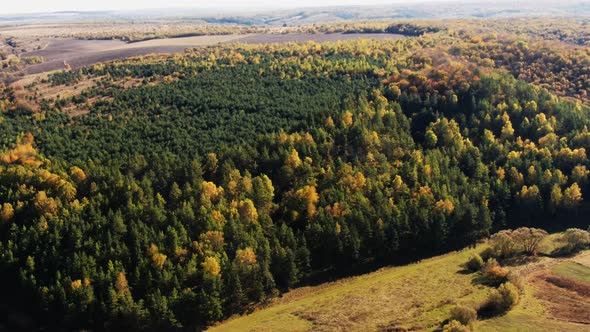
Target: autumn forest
x,y
169,192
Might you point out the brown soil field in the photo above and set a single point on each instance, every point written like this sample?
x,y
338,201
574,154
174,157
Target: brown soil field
x,y
566,299
80,53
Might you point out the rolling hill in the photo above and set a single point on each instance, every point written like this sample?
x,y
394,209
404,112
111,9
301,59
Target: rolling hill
x,y
419,297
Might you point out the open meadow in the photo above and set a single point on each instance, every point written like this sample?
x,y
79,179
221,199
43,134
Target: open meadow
x,y
420,296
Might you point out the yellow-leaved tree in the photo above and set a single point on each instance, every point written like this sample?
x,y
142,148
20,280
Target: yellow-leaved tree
x,y
572,196
211,267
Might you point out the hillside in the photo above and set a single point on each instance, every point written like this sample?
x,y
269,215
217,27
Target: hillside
x,y
419,297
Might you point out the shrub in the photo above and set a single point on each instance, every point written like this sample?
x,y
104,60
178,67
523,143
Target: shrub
x,y
528,239
487,253
455,326
493,273
474,263
503,244
576,239
503,298
465,315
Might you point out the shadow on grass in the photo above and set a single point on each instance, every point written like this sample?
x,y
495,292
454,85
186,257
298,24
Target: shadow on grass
x,y
564,252
519,260
479,279
465,271
488,311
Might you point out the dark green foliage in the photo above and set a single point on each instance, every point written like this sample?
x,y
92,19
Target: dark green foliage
x,y
500,300
410,29
474,263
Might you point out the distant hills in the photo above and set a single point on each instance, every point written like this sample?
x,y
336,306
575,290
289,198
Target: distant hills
x,y
422,10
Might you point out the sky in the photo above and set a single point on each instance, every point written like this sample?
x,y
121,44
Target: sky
x,y
34,6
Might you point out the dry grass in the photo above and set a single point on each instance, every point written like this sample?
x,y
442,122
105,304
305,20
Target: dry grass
x,y
413,297
418,297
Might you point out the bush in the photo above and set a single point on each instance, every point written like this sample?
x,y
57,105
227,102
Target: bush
x,y
528,239
503,244
455,326
503,298
509,243
465,315
487,253
493,273
474,263
576,239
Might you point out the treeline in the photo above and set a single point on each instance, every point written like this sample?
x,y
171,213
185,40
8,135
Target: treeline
x,y
253,168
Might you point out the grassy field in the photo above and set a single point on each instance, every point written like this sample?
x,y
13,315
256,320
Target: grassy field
x,y
416,297
573,270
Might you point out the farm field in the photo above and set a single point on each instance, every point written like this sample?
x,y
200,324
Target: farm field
x,y
79,53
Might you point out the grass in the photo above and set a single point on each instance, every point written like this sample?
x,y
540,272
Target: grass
x,y
573,270
552,243
415,297
528,315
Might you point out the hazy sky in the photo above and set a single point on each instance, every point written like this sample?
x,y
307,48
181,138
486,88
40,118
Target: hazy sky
x,y
30,6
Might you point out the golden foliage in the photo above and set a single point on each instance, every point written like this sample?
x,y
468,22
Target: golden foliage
x,y
44,205
507,130
210,192
354,182
329,123
530,194
211,163
218,217
245,257
158,259
493,272
310,197
121,284
347,119
572,196
445,206
211,267
76,284
24,153
180,254
212,240
6,212
580,174
248,212
501,173
336,210
293,161
78,174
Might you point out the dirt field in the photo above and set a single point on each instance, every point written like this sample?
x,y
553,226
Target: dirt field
x,y
561,285
80,53
566,298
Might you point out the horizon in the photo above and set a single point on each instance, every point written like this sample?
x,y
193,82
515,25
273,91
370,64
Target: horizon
x,y
42,7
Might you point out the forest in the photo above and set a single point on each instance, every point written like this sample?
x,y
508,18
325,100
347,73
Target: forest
x,y
229,174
